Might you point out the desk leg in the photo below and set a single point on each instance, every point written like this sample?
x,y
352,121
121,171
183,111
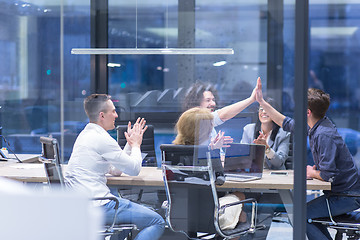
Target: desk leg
x,y
287,198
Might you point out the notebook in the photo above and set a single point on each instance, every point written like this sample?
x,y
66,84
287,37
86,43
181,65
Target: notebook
x,y
244,162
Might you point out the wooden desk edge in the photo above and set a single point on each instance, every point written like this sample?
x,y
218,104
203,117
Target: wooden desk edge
x,y
152,176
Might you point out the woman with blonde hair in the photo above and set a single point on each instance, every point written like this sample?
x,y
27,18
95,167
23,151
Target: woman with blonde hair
x,y
194,127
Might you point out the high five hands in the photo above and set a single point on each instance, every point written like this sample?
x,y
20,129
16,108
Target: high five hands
x,y
135,134
258,91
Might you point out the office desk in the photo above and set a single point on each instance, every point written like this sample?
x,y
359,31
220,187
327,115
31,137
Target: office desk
x,y
24,157
24,172
151,177
282,184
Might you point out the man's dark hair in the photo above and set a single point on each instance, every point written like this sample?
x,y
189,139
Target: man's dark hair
x,y
318,102
94,104
195,94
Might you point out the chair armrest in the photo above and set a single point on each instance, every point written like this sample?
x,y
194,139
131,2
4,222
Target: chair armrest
x,y
111,227
339,195
108,198
328,206
222,208
251,228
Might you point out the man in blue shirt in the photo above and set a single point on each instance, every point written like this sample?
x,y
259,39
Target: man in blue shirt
x,y
333,161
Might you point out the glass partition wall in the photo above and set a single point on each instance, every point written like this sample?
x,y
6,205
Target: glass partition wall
x,y
37,37
31,72
154,86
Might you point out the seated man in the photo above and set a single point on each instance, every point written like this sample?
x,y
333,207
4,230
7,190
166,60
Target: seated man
x,y
333,161
96,153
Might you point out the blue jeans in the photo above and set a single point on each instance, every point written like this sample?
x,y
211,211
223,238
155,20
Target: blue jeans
x,y
317,208
150,223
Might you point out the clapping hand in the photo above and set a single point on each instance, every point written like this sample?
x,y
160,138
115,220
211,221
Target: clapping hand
x,y
261,140
220,141
135,134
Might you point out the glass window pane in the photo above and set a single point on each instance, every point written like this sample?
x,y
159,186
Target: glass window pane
x,y
31,72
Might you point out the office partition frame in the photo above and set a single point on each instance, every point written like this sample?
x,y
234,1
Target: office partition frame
x,y
99,82
300,96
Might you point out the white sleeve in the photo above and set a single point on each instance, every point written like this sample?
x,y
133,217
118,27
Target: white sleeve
x,y
248,133
127,148
127,163
115,172
217,121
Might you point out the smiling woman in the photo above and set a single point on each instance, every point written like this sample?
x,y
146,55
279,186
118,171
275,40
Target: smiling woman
x,y
267,133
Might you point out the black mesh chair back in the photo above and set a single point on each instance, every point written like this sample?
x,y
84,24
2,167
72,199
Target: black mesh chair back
x,y
51,158
190,174
147,146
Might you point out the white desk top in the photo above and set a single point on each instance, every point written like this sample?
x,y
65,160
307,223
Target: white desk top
x,y
152,176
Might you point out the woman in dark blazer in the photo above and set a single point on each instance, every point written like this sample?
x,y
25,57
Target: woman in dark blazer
x,y
266,132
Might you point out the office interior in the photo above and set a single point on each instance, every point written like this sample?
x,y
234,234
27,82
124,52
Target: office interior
x,y
43,84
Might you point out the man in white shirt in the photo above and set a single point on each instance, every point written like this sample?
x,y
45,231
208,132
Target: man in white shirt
x,y
96,153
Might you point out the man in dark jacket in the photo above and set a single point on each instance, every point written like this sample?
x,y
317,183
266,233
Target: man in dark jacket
x,y
333,161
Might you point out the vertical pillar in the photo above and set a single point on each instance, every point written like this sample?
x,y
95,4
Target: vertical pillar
x,y
99,39
186,39
275,49
301,85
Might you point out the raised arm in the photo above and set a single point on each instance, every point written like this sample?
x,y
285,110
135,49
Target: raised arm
x,y
234,109
276,116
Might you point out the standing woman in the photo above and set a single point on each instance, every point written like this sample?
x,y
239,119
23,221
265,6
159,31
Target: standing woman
x,y
266,132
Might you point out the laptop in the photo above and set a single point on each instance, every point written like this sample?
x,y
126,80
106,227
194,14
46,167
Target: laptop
x,y
244,162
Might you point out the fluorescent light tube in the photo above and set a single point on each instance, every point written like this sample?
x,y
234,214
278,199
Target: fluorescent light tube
x,y
175,51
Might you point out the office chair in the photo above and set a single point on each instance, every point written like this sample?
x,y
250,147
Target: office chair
x,y
348,223
189,174
147,146
51,158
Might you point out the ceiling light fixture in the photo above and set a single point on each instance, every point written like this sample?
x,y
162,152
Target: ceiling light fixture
x,y
219,64
162,51
114,65
179,51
